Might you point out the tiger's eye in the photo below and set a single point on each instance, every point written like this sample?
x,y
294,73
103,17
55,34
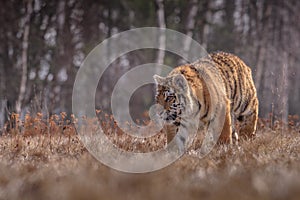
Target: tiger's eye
x,y
169,98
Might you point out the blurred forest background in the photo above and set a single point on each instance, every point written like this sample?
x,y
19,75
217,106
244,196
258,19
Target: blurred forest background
x,y
42,44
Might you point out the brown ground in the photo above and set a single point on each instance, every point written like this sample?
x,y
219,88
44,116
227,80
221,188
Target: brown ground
x,y
58,167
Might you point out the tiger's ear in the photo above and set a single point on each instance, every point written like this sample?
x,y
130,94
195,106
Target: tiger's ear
x,y
158,79
180,82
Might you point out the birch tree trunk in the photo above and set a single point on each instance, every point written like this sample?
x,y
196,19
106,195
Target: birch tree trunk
x,y
162,36
24,57
190,26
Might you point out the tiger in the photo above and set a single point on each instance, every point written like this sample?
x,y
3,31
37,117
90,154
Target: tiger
x,y
217,90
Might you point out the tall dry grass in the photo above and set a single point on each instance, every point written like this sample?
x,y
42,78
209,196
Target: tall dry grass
x,y
43,158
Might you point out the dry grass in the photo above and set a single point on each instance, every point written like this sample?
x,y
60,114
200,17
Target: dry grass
x,y
44,159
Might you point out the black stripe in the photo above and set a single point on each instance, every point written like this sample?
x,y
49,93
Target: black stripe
x,y
193,68
199,108
235,88
205,114
250,103
244,105
183,125
232,69
182,138
176,123
239,74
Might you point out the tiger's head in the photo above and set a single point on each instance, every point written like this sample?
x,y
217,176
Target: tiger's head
x,y
174,94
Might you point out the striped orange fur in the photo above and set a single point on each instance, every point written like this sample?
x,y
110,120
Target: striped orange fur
x,y
219,79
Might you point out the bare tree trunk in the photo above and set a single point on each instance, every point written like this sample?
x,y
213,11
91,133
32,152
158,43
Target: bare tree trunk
x,y
24,57
260,66
162,37
2,113
285,87
2,97
190,26
206,26
262,24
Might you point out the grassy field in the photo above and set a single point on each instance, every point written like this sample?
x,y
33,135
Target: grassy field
x,y
44,159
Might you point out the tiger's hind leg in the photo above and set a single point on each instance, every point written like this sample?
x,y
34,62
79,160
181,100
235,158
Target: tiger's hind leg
x,y
247,124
